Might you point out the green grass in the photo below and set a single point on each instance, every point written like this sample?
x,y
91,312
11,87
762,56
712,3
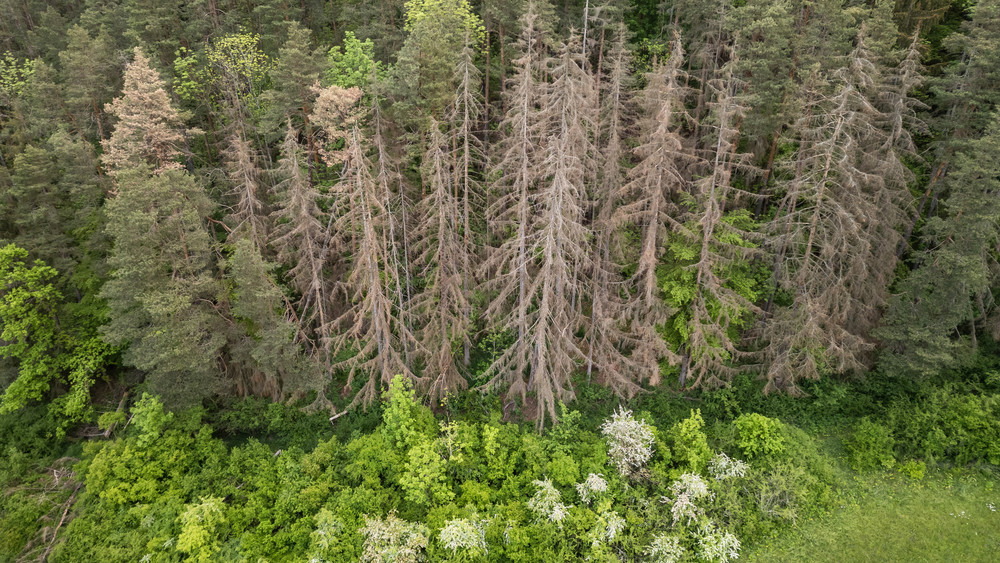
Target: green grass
x,y
890,517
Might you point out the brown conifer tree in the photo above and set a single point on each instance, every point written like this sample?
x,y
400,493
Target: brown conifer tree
x,y
559,237
440,258
148,128
468,158
653,186
608,338
298,237
510,215
372,326
247,214
834,229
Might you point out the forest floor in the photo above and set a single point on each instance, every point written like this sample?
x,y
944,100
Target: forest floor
x,y
887,516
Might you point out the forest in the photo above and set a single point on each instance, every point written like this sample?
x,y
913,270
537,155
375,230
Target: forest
x,y
499,280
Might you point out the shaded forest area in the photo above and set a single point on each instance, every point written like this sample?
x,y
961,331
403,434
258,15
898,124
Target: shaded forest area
x,y
226,221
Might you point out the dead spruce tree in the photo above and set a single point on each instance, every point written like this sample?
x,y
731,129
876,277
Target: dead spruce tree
x,y
608,338
371,329
440,258
712,247
510,215
246,214
838,219
650,195
560,240
298,238
469,158
392,189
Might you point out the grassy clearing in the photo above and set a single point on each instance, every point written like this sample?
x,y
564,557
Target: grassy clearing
x,y
890,517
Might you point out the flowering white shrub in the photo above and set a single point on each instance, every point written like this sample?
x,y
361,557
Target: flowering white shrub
x,y
464,533
687,490
665,549
691,485
545,503
615,526
683,509
609,525
393,540
594,483
630,441
724,467
716,545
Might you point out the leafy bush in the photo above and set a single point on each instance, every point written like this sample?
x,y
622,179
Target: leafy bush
x,y
870,446
914,469
391,540
759,435
948,426
689,445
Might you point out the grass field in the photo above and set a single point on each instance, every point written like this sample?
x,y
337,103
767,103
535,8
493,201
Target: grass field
x,y
886,517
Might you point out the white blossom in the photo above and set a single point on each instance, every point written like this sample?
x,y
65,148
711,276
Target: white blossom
x,y
665,549
724,467
464,533
609,525
615,525
692,485
684,509
687,490
630,441
716,545
594,483
545,503
393,540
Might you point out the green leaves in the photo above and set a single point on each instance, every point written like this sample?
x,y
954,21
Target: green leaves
x,y
28,300
353,64
14,74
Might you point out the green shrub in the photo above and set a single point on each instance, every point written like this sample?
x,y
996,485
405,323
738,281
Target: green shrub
x,y
870,446
959,427
760,436
915,469
689,445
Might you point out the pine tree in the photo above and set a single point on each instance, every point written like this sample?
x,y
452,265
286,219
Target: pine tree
x,y
162,27
148,129
266,348
87,66
764,29
40,207
948,291
296,71
162,295
36,110
382,22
